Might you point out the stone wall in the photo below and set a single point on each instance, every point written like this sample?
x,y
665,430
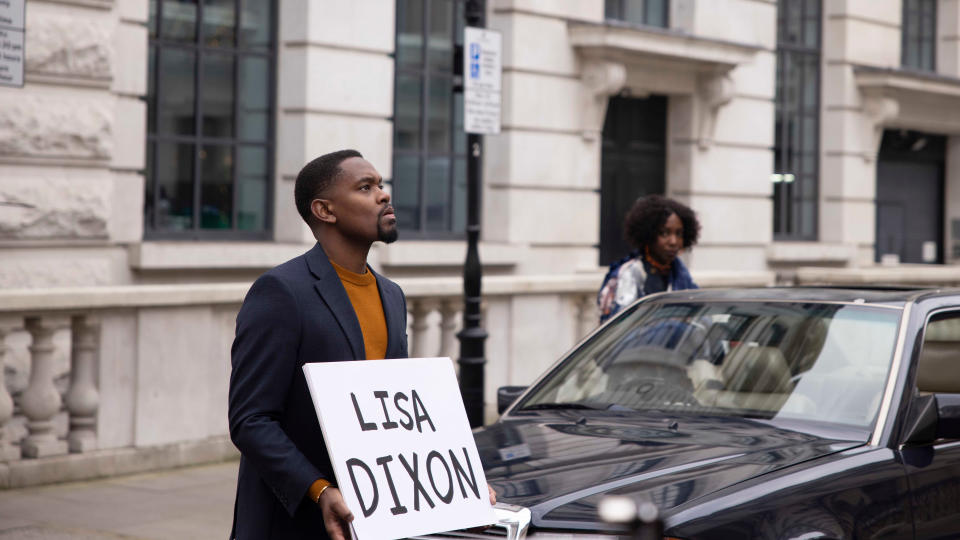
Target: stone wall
x,y
72,144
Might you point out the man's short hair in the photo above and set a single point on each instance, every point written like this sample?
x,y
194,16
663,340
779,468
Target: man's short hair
x,y
315,177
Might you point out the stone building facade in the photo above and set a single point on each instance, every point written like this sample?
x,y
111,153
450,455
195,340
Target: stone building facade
x,y
147,167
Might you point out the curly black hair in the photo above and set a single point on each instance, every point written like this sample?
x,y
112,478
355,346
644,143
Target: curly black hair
x,y
648,215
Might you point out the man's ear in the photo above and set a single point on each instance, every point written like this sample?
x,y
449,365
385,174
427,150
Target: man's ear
x,y
322,209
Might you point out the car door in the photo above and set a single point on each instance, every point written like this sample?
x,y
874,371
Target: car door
x,y
933,470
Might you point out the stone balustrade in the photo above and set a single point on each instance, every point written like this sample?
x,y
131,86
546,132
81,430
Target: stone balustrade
x,y
109,380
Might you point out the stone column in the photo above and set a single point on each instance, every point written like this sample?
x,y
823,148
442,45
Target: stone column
x,y
82,398
587,315
419,311
448,326
41,400
8,452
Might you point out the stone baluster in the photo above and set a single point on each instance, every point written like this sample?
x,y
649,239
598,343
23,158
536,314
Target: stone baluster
x,y
449,309
41,401
8,452
82,398
419,309
587,315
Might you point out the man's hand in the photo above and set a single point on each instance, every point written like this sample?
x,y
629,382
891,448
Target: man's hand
x,y
336,515
493,495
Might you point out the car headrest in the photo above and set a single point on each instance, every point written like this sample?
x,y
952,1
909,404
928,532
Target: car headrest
x,y
755,369
938,370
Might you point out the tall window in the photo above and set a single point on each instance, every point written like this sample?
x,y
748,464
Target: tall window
x,y
210,118
429,145
646,12
797,136
919,34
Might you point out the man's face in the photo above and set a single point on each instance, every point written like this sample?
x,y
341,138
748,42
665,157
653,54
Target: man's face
x,y
669,240
360,204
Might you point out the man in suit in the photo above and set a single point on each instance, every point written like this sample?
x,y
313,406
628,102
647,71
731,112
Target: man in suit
x,y
326,305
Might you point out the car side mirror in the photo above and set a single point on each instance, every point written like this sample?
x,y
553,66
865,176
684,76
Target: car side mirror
x,y
506,395
932,417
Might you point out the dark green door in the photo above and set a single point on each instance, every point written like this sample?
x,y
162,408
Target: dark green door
x,y
633,164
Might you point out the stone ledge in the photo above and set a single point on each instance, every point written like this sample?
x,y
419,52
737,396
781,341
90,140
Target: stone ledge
x,y
794,252
212,255
114,462
928,275
450,253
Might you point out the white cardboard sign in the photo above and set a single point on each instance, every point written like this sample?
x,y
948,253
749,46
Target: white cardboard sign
x,y
401,446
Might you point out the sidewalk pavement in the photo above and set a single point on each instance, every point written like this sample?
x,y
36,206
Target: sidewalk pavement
x,y
194,502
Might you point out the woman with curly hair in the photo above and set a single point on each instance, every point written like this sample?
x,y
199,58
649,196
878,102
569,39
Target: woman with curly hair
x,y
659,228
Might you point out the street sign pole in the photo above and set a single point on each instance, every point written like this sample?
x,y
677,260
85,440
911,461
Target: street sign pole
x,y
472,336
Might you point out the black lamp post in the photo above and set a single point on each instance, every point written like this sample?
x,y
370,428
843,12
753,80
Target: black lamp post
x,y
472,336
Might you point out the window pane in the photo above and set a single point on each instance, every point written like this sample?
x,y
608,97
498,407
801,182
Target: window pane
x,y
611,9
459,136
151,90
251,188
406,191
926,54
407,113
256,21
460,21
410,33
811,32
217,95
175,112
216,193
174,175
459,195
656,13
810,84
254,81
152,21
440,44
219,23
438,121
438,193
633,11
149,182
179,20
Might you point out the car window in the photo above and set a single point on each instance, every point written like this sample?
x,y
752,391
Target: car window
x,y
938,368
822,362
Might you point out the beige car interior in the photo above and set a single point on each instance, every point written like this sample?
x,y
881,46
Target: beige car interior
x,y
938,370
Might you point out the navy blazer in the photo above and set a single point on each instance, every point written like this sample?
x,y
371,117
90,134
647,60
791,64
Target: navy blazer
x,y
295,313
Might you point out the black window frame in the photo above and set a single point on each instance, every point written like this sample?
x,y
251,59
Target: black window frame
x,y
614,10
796,180
424,153
920,12
199,140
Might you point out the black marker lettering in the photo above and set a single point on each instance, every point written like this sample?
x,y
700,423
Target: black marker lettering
x,y
462,475
419,408
417,486
354,462
382,396
397,507
437,455
364,426
408,425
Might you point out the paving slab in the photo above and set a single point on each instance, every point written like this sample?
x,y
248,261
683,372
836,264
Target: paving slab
x,y
194,502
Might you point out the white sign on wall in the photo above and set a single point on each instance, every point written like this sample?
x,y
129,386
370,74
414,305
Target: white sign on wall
x,y
482,61
401,447
12,26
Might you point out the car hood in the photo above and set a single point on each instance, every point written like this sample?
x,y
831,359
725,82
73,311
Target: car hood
x,y
560,465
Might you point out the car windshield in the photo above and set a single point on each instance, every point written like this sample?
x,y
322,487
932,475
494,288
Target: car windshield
x,y
808,361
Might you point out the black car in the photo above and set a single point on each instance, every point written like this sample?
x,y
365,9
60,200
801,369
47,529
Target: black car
x,y
793,413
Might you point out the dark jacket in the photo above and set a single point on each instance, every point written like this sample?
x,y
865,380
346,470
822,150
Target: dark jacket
x,y
295,313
